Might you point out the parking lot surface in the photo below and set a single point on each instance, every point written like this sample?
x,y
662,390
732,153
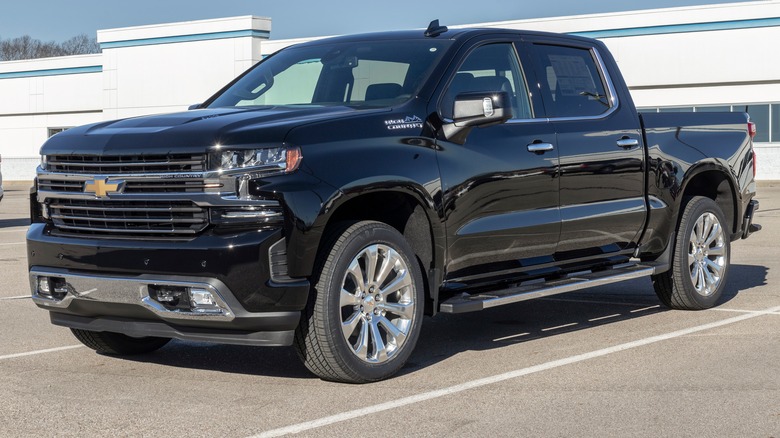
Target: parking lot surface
x,y
603,362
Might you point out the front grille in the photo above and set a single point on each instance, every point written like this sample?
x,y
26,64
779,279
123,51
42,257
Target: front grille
x,y
52,184
126,164
130,218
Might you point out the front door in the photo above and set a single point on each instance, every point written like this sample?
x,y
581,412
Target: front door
x,y
500,199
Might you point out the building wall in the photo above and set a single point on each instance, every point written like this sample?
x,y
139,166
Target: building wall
x,y
141,70
165,68
690,57
42,94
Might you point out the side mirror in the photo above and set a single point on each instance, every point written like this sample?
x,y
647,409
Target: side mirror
x,y
193,107
477,109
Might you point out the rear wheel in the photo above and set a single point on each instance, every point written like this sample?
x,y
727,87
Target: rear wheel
x,y
364,318
700,261
118,344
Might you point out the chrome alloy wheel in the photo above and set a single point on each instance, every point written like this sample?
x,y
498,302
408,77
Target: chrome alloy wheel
x,y
707,254
377,303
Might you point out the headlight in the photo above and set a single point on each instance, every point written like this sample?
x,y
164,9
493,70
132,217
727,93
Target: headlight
x,y
43,162
285,159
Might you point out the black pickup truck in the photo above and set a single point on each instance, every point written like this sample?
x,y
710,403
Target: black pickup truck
x,y
341,189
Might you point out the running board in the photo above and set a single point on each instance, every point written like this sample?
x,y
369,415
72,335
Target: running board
x,y
472,303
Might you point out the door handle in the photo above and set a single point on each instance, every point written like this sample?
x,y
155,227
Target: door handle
x,y
540,148
627,143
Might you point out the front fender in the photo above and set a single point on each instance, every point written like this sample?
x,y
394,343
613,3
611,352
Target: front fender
x,y
354,168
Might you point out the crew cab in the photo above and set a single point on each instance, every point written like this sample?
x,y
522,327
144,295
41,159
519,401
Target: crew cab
x,y
340,189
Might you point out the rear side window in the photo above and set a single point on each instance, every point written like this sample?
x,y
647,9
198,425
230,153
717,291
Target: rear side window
x,y
572,83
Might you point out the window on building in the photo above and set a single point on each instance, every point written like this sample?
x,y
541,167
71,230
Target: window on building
x,y
713,109
760,115
766,117
679,109
54,131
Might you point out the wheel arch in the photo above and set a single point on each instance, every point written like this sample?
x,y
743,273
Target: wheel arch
x,y
712,180
408,208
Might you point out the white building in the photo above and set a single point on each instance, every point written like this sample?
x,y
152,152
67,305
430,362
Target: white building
x,y
702,58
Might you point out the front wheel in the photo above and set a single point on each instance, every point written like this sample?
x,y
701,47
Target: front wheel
x,y
365,314
700,261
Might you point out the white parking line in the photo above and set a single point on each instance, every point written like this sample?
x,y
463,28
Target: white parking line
x,y
418,398
20,297
646,308
759,312
603,317
510,337
32,353
15,243
559,327
19,230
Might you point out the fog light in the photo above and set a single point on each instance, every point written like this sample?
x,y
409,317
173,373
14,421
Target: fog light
x,y
44,286
53,288
168,296
203,301
172,297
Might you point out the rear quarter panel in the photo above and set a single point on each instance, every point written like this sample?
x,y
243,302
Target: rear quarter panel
x,y
683,145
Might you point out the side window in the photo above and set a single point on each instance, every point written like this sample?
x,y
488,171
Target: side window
x,y
492,67
572,85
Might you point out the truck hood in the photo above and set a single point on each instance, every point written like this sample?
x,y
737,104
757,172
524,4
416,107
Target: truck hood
x,y
191,131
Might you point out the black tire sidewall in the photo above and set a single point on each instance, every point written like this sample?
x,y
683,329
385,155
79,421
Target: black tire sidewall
x,y
696,207
369,233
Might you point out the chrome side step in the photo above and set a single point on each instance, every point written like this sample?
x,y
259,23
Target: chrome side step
x,y
472,303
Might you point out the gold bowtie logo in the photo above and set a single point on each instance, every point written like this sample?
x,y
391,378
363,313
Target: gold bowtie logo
x,y
101,187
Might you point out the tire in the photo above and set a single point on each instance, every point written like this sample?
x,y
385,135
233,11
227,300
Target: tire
x,y
700,261
118,344
365,311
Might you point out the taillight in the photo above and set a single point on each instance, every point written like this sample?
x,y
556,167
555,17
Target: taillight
x,y
752,129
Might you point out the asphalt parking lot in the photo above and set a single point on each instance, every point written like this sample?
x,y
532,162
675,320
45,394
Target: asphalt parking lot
x,y
604,362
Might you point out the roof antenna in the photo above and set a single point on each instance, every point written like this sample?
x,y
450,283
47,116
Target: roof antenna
x,y
434,29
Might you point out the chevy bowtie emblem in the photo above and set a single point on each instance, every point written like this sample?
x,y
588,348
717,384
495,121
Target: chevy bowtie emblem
x,y
101,187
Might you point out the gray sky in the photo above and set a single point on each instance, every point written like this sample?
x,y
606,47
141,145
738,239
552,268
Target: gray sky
x,y
61,19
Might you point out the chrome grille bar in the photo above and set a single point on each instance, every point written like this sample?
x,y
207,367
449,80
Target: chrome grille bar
x,y
126,164
128,217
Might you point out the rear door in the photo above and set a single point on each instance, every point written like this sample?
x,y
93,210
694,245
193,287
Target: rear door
x,y
602,183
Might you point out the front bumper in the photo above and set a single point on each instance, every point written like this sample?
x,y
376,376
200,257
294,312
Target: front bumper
x,y
240,260
125,305
111,285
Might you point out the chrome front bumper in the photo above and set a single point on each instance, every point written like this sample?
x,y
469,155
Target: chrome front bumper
x,y
132,291
124,304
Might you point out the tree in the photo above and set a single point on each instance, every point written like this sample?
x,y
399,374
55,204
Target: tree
x,y
26,47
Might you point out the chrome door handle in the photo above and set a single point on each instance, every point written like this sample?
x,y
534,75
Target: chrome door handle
x,y
540,148
627,143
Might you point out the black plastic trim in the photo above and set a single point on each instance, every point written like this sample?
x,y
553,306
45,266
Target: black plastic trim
x,y
139,329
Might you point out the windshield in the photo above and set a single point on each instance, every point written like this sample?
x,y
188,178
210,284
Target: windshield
x,y
364,73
